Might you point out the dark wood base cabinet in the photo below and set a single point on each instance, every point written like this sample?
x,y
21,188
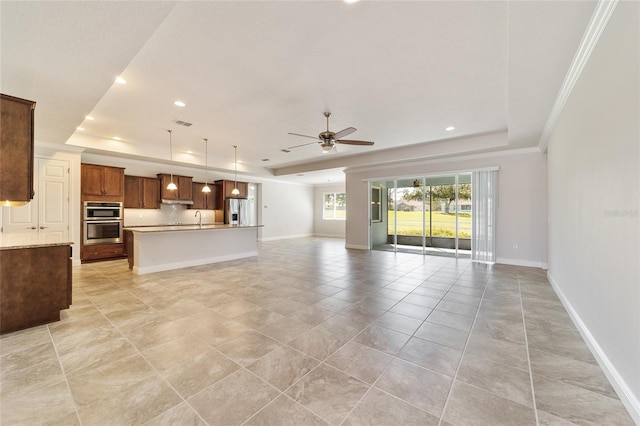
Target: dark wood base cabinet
x,y
97,252
35,285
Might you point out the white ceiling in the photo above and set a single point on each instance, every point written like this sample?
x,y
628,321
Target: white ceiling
x,y
250,72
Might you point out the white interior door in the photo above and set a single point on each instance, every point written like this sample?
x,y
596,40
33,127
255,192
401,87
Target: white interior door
x,y
53,205
48,212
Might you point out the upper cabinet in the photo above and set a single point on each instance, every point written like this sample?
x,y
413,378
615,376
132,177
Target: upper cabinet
x,y
205,200
184,191
102,182
141,192
16,150
227,186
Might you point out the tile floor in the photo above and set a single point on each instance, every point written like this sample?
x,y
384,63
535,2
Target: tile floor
x,y
308,333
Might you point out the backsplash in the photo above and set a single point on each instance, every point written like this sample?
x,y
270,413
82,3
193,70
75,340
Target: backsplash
x,y
167,214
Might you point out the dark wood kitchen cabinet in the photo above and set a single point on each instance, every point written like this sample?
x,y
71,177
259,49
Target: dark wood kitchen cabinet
x,y
184,191
227,186
141,192
102,252
102,183
35,292
16,149
205,200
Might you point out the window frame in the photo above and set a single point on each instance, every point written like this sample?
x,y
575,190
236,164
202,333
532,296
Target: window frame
x,y
335,205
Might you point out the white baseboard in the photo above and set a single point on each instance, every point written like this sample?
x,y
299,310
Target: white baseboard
x,y
357,247
329,236
76,262
286,237
626,395
521,262
186,264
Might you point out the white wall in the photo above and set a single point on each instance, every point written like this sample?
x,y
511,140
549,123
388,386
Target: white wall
x,y
287,210
326,228
521,216
594,235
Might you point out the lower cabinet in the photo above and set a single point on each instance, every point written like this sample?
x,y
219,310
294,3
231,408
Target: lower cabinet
x,y
102,251
35,285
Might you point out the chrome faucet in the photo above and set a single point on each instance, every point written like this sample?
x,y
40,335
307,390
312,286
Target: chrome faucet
x,y
199,216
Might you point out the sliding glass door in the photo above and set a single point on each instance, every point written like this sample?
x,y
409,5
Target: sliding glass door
x,y
424,214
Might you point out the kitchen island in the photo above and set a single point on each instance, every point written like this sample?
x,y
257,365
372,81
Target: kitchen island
x,y
35,280
163,248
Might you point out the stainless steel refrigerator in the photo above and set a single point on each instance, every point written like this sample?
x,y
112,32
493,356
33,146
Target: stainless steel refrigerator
x,y
237,211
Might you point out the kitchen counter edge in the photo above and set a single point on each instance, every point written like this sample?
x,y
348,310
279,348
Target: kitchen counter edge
x,y
177,228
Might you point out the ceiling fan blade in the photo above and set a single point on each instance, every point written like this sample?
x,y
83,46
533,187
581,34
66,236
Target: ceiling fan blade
x,y
304,144
344,132
352,142
304,136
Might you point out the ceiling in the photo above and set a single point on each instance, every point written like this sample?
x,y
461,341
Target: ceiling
x,y
250,72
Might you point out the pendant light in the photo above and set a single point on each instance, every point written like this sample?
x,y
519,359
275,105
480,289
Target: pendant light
x,y
206,188
235,163
172,186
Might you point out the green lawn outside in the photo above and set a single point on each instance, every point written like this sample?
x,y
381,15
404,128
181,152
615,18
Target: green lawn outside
x,y
443,224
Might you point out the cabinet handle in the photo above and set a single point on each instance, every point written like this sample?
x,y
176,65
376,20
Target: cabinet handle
x,y
32,227
43,227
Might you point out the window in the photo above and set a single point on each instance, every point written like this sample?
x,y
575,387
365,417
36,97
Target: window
x,y
334,206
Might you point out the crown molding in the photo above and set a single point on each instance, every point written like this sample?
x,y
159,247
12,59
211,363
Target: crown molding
x,y
597,24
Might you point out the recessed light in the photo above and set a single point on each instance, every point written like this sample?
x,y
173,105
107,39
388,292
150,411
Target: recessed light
x,y
80,128
450,128
179,104
121,80
88,117
189,152
116,138
350,1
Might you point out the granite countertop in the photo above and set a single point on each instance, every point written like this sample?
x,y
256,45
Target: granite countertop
x,y
11,241
172,228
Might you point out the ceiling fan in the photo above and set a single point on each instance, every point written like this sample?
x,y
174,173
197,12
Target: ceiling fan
x,y
328,139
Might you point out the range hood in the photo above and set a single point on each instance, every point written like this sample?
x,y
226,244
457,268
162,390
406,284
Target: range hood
x,y
187,202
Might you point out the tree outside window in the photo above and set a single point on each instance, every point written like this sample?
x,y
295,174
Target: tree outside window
x,y
334,206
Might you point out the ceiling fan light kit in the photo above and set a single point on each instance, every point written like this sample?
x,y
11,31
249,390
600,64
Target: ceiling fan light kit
x,y
328,139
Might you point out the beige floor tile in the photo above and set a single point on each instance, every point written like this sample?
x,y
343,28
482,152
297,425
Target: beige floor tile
x,y
233,400
24,358
181,414
383,339
397,322
335,306
328,392
284,411
431,355
50,403
443,335
282,367
318,343
417,385
505,381
577,404
571,371
167,355
23,339
380,408
470,405
194,374
360,361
